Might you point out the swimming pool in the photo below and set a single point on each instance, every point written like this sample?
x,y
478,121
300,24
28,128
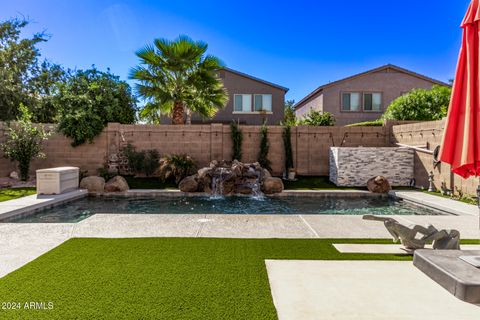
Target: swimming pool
x,y
81,209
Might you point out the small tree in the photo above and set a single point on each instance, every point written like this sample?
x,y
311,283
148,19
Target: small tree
x,y
264,147
24,142
289,119
287,144
318,118
237,138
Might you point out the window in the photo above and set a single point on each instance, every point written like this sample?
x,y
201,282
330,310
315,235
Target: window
x,y
263,102
242,103
351,101
372,101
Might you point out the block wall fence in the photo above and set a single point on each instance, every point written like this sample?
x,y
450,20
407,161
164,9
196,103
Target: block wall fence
x,y
212,142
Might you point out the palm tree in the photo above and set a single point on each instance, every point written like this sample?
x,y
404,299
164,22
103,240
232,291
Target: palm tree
x,y
175,77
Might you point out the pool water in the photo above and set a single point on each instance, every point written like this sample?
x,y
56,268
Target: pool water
x,y
81,209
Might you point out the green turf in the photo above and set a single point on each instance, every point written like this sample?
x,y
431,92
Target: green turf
x,y
312,183
14,193
161,278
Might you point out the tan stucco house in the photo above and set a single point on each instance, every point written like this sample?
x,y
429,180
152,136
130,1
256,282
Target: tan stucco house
x,y
364,96
252,101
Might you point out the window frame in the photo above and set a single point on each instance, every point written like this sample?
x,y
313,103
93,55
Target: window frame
x,y
360,106
372,93
241,95
252,103
263,110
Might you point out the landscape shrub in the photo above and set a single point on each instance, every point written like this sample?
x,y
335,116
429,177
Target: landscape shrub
x,y
420,104
237,138
374,123
287,144
318,118
177,166
264,148
24,142
142,162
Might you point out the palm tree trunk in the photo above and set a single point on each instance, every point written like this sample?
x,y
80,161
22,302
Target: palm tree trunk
x,y
178,113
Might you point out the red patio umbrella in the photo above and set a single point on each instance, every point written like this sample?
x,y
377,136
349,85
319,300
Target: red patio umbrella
x,y
461,139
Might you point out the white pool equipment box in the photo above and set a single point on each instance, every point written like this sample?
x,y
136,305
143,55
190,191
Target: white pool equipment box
x,y
57,180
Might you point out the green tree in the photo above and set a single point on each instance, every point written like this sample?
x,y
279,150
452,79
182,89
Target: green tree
x,y
290,118
88,100
24,142
18,65
318,118
175,76
45,86
420,104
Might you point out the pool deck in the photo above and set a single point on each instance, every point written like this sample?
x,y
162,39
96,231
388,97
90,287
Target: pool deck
x,y
300,289
23,242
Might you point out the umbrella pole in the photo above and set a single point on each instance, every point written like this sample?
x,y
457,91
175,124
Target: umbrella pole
x,y
478,203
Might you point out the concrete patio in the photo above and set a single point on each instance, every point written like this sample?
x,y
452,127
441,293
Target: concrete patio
x,y
369,290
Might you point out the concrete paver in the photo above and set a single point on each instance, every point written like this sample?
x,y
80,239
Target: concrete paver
x,y
365,290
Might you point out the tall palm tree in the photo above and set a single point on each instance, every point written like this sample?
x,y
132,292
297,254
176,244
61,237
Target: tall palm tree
x,y
175,76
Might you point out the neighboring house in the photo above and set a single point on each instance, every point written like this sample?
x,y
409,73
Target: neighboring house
x,y
252,101
364,96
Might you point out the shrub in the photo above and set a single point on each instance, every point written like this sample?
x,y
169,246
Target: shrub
x,y
237,138
24,142
105,174
420,104
318,118
287,144
177,166
374,123
145,161
264,147
151,162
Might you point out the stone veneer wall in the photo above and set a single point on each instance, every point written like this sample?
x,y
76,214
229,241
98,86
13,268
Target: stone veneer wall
x,y
353,167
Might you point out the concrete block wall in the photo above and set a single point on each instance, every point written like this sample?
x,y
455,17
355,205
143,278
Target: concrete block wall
x,y
429,135
205,143
353,167
59,152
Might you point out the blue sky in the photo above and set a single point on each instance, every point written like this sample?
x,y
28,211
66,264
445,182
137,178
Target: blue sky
x,y
297,44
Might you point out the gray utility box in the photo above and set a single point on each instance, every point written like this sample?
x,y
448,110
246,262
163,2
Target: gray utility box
x,y
57,180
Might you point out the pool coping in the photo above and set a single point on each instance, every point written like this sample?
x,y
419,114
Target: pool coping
x,y
450,206
31,204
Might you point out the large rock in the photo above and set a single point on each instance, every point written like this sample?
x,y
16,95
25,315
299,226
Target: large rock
x,y
188,184
272,185
93,184
116,184
378,184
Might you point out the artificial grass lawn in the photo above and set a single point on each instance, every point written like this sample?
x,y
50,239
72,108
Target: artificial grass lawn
x,y
14,193
161,278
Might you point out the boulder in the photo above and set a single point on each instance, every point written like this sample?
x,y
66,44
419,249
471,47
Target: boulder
x,y
14,175
188,184
272,185
266,174
93,184
116,184
378,184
